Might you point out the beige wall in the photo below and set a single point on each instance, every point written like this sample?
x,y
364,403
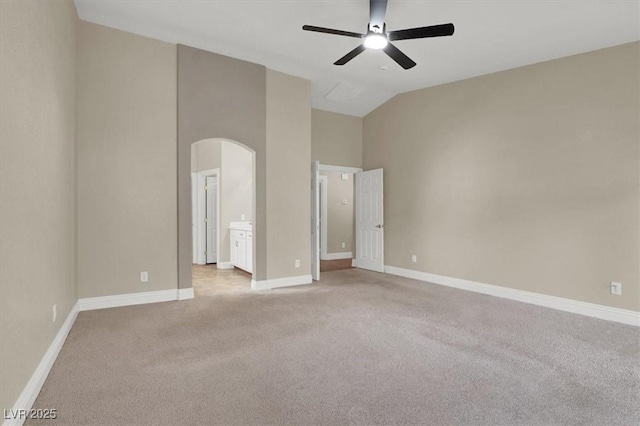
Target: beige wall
x,y
340,220
220,97
206,155
37,183
526,178
126,162
236,191
336,139
288,175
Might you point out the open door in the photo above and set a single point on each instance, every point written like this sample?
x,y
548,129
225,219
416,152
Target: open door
x,y
315,221
369,220
211,220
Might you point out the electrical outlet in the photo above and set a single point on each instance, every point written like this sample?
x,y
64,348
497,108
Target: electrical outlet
x,y
297,263
616,288
242,217
55,312
414,258
344,245
144,276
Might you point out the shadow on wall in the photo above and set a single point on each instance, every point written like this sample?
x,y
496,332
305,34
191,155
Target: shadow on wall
x,y
231,166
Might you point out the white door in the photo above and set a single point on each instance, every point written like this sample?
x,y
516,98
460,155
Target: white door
x,y
212,219
369,221
315,220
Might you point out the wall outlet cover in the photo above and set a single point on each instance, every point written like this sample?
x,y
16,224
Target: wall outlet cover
x,y
144,276
55,312
616,288
297,264
414,258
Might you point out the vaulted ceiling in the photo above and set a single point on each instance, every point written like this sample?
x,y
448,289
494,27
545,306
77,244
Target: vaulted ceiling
x,y
491,35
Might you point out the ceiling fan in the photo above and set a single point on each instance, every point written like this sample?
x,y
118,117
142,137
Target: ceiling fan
x,y
378,38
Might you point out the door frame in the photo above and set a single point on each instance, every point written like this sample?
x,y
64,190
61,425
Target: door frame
x,y
315,217
200,205
315,212
194,217
323,182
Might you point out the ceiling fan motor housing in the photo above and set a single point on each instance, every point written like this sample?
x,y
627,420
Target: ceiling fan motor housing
x,y
375,28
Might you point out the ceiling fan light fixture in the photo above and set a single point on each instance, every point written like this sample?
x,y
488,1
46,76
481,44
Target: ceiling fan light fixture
x,y
378,38
375,41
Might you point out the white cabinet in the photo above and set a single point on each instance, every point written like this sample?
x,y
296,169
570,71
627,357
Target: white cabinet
x,y
233,251
249,267
241,246
241,249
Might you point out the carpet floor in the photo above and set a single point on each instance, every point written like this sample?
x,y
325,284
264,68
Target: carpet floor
x,y
357,348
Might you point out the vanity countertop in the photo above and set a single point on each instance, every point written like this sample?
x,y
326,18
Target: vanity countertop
x,y
241,226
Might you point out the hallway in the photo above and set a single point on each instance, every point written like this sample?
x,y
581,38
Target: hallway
x,y
208,280
335,265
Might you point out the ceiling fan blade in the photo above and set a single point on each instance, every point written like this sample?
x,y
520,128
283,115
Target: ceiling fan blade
x,y
331,31
377,12
349,56
396,54
422,32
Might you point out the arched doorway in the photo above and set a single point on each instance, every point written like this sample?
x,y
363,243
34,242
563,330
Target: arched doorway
x,y
223,212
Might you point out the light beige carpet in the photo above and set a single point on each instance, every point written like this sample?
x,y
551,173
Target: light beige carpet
x,y
360,347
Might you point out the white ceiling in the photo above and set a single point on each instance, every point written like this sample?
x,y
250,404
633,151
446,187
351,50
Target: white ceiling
x,y
491,35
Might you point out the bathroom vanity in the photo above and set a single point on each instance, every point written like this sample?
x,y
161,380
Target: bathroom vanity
x,y
242,245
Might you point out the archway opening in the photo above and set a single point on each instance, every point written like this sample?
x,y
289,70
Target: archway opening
x,y
223,213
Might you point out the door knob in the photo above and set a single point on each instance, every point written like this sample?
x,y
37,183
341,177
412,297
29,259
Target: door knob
x,y
379,226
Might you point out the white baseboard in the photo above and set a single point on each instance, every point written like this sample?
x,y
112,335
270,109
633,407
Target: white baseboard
x,y
91,303
337,256
280,282
185,293
225,265
34,385
568,305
